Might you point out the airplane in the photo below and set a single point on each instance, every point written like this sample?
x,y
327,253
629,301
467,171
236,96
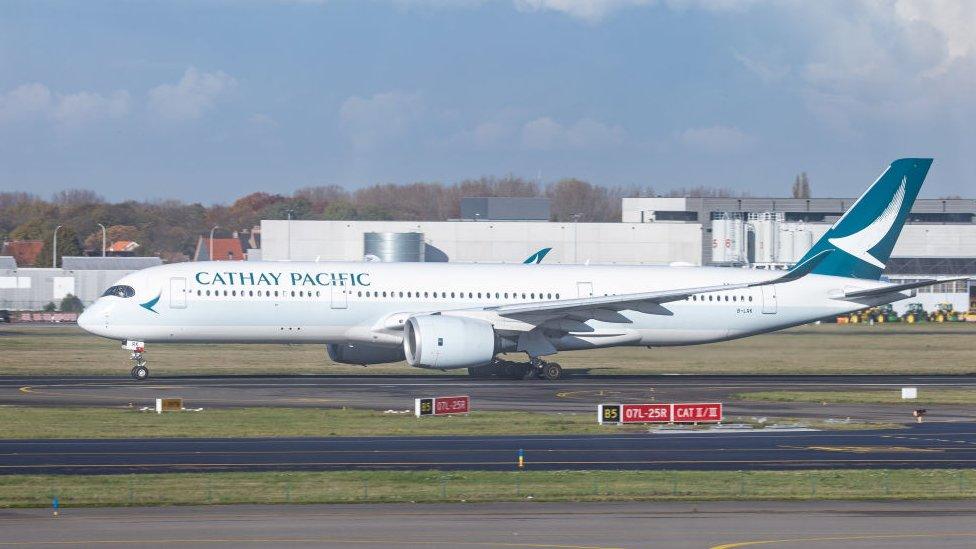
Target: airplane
x,y
446,316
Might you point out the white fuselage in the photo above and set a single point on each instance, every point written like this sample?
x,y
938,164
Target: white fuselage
x,y
302,302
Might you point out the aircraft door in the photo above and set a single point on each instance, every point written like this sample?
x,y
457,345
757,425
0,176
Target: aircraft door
x,y
768,299
177,293
340,298
585,289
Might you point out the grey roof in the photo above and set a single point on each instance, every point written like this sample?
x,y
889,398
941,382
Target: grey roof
x,y
108,263
504,208
932,266
8,262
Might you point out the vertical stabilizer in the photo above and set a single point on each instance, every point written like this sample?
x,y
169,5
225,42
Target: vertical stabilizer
x,y
862,239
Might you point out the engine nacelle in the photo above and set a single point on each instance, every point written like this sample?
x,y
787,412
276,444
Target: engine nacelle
x,y
438,341
363,354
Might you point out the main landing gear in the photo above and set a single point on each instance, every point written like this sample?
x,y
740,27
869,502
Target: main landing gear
x,y
139,372
507,369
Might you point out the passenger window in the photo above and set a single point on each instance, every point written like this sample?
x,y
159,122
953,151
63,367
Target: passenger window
x,y
532,295
557,296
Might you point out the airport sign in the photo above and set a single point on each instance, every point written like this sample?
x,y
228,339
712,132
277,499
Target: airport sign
x,y
710,412
438,406
617,414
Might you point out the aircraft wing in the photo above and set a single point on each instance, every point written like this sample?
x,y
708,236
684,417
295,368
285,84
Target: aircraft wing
x,y
644,301
895,288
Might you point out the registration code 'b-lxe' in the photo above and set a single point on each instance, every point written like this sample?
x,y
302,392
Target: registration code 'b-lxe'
x,y
435,406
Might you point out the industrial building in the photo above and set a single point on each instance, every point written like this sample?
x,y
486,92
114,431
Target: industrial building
x,y
938,241
31,288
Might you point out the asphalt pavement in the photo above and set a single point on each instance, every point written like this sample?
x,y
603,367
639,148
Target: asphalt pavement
x,y
943,445
573,394
705,525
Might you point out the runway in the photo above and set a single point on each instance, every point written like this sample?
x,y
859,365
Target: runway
x,y
944,445
573,394
707,525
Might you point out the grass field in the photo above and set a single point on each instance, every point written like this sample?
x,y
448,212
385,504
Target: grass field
x,y
41,422
479,486
890,396
814,349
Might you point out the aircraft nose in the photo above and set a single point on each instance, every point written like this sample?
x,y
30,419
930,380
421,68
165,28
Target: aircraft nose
x,y
94,319
85,319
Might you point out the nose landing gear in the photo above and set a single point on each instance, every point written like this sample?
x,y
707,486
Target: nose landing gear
x,y
139,372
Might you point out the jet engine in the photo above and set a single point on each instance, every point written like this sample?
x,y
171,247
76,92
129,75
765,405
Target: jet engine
x,y
438,341
363,354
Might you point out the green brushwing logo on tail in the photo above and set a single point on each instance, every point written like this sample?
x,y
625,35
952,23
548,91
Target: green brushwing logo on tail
x,y
865,235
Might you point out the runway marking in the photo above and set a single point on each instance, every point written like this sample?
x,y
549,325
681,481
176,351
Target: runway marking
x,y
25,390
519,439
603,393
372,464
505,451
389,542
870,449
860,537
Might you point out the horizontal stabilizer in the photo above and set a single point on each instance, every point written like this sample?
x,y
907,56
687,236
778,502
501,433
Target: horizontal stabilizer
x,y
894,288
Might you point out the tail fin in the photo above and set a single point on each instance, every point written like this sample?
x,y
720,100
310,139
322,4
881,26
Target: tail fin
x,y
862,239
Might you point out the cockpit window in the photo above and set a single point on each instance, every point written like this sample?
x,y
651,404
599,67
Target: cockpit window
x,y
120,291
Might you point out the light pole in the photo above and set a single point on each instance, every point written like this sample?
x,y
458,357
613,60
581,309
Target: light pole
x,y
289,212
215,227
54,256
103,238
576,218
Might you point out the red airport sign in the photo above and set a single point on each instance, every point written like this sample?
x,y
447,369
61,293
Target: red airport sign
x,y
438,406
617,414
697,413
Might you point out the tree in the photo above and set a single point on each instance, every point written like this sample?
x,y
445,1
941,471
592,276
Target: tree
x,y
68,244
115,233
71,304
35,229
801,186
73,197
49,307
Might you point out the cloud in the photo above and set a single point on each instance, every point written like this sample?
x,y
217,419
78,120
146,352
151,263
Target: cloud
x,y
190,98
587,10
371,122
716,140
546,134
36,100
82,107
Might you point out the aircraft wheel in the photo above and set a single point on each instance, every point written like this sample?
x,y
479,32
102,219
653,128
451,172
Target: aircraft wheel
x,y
552,371
139,372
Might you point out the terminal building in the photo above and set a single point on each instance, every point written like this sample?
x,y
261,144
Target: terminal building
x,y
939,239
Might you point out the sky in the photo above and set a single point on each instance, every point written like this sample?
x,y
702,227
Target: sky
x,y
208,100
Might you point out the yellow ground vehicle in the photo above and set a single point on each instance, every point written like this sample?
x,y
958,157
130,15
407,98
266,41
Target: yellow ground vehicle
x,y
944,313
915,313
